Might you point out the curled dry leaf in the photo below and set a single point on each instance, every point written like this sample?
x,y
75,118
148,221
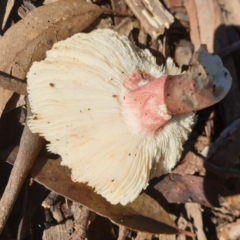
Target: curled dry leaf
x,y
37,32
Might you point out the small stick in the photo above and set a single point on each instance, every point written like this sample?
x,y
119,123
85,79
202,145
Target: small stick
x,y
13,84
30,146
122,233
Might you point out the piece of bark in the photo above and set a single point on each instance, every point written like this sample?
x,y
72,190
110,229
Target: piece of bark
x,y
194,212
81,215
230,231
13,84
50,200
182,224
56,212
118,6
152,15
59,232
173,3
170,237
122,233
203,28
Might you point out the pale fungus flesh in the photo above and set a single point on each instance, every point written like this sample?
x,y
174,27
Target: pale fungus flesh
x,y
102,104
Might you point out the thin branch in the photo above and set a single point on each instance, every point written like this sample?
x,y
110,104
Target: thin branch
x,y
29,148
122,233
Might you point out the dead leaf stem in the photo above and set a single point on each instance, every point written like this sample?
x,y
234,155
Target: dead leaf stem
x,y
29,148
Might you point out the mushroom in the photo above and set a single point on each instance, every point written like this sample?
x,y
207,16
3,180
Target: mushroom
x,y
115,117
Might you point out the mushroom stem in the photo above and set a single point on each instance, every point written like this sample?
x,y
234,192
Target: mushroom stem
x,y
205,83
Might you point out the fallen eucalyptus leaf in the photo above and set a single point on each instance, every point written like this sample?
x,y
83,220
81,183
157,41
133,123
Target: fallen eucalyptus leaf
x,y
144,214
29,39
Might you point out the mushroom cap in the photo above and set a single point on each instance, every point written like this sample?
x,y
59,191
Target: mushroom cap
x,y
75,95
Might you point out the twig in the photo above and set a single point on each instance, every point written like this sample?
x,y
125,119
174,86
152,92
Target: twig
x,y
30,146
122,233
13,84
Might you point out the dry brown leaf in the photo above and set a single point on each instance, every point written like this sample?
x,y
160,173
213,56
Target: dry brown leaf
x,y
181,189
144,214
30,38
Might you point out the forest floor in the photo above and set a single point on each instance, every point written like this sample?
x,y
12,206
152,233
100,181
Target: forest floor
x,y
199,199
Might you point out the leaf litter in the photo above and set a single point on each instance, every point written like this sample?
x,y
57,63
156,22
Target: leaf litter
x,y
29,39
